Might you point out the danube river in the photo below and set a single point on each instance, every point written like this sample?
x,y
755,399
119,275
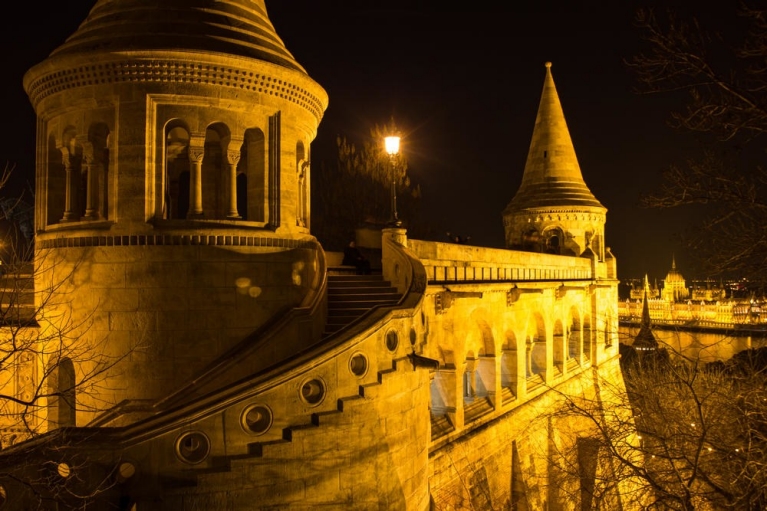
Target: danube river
x,y
704,346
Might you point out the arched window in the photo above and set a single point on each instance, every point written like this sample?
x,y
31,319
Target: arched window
x,y
587,339
57,179
95,174
302,192
242,195
469,378
215,172
72,162
537,362
62,401
559,347
553,240
574,340
531,240
509,368
176,196
252,168
439,403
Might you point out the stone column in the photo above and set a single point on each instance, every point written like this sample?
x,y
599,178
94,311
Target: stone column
x,y
301,209
232,159
66,159
529,345
196,155
470,372
91,186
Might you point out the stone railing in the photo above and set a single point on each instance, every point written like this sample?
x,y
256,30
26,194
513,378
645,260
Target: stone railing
x,y
450,262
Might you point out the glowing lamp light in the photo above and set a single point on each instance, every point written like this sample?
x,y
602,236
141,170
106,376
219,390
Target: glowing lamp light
x,y
391,144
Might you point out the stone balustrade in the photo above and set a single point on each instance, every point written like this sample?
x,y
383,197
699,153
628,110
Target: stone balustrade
x,y
451,262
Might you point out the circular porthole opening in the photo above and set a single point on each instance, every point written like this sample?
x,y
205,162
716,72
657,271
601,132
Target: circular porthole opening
x,y
313,391
63,470
358,364
256,419
392,340
192,447
125,471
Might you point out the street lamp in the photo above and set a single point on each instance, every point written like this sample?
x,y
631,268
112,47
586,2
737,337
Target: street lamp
x,y
392,148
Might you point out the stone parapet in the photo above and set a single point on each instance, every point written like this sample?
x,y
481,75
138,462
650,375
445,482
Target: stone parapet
x,y
453,262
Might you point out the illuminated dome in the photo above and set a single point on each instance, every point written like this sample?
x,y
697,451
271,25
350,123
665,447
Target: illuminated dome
x,y
235,27
675,286
674,276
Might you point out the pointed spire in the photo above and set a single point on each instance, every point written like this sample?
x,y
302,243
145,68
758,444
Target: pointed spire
x,y
645,339
673,261
645,312
552,174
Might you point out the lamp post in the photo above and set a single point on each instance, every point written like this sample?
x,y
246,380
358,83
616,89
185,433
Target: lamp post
x,y
392,148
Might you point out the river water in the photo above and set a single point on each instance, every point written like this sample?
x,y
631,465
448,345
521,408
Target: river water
x,y
706,347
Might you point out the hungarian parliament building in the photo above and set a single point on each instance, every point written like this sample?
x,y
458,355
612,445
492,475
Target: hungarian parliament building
x,y
706,304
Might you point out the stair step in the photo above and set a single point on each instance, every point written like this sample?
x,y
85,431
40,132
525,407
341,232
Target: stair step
x,y
342,312
363,297
352,296
369,283
362,302
347,290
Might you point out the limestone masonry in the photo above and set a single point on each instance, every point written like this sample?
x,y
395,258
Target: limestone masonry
x,y
173,215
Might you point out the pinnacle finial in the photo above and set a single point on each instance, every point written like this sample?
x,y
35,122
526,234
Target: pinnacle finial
x,y
548,65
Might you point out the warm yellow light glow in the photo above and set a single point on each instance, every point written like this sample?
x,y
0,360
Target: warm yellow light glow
x,y
64,470
392,145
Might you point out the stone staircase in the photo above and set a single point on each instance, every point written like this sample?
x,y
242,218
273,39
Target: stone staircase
x,y
351,296
282,448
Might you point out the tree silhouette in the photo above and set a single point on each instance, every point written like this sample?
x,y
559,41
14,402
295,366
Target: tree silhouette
x,y
355,191
720,78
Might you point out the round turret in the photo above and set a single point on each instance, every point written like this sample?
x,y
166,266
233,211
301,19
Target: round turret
x,y
553,210
173,177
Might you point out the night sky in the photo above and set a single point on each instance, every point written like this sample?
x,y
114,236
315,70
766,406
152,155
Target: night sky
x,y
463,85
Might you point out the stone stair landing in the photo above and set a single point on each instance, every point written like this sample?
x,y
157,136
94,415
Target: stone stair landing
x,y
352,296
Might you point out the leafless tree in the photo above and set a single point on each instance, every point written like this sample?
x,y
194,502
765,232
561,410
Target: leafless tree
x,y
48,374
686,436
720,77
356,190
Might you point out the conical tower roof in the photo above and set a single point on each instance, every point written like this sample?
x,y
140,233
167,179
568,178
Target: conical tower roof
x,y
645,339
552,174
233,27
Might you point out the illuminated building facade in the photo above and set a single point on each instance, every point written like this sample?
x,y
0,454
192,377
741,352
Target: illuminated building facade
x,y
172,193
705,305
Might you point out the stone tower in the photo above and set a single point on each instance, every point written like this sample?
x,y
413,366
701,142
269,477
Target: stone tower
x,y
553,210
172,178
228,368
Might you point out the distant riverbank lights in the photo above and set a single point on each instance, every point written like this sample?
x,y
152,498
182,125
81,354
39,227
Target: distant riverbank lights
x,y
391,143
